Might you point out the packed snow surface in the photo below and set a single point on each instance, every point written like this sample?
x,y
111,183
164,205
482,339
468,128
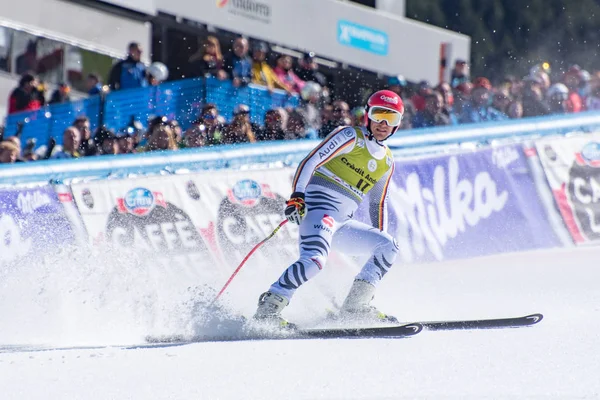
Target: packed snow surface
x,y
74,330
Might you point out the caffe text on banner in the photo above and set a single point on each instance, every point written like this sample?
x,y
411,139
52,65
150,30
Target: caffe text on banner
x,y
572,167
205,222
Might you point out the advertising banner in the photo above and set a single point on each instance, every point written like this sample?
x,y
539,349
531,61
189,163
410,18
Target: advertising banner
x,y
32,224
572,167
206,221
445,207
467,205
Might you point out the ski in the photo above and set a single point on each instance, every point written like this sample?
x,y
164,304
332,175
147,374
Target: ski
x,y
493,323
391,331
395,331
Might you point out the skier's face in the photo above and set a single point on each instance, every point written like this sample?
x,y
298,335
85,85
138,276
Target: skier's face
x,y
381,130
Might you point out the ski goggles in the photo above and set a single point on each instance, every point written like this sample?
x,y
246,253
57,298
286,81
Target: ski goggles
x,y
380,114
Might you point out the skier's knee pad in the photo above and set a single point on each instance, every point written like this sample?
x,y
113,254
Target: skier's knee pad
x,y
388,248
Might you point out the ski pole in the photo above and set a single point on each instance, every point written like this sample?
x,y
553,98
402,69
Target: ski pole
x,y
247,257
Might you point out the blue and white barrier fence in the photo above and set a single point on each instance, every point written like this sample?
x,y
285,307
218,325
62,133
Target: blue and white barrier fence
x,y
210,206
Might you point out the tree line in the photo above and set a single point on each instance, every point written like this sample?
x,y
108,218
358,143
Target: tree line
x,y
508,37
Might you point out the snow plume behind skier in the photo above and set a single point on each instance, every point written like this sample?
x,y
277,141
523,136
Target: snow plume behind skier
x,y
328,187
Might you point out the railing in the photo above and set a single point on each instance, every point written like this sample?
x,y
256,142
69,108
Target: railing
x,y
181,100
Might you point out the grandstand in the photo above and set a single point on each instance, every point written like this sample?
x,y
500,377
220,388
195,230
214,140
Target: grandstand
x,y
70,39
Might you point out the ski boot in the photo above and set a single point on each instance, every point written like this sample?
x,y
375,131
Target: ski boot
x,y
357,307
269,309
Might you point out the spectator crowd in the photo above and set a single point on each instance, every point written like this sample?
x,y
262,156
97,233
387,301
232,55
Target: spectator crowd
x,y
462,100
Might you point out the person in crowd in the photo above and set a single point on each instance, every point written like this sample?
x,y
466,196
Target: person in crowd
x,y
515,109
298,128
593,99
29,153
241,129
242,111
195,136
125,142
462,97
93,84
177,131
571,79
27,96
88,146
14,139
141,140
61,94
129,73
532,97
514,85
286,75
239,65
540,75
432,115
209,118
262,73
340,116
326,114
479,109
70,146
398,85
110,144
444,89
161,138
275,125
9,152
418,99
308,70
311,98
460,73
501,100
585,79
102,132
208,60
557,96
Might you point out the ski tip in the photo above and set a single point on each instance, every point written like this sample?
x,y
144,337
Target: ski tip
x,y
534,318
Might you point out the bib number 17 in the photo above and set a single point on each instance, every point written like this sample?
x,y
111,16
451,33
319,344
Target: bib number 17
x,y
362,185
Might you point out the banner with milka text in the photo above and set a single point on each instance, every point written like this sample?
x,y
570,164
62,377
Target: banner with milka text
x,y
466,205
33,223
572,167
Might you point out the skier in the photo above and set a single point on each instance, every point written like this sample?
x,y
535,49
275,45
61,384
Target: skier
x,y
328,187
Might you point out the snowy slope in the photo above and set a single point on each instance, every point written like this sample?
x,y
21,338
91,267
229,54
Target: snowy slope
x,y
556,359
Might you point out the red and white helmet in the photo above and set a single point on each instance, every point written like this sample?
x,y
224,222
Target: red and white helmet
x,y
384,105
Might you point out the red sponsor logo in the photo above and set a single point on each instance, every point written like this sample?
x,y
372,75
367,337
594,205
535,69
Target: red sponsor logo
x,y
221,3
65,197
328,221
582,160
